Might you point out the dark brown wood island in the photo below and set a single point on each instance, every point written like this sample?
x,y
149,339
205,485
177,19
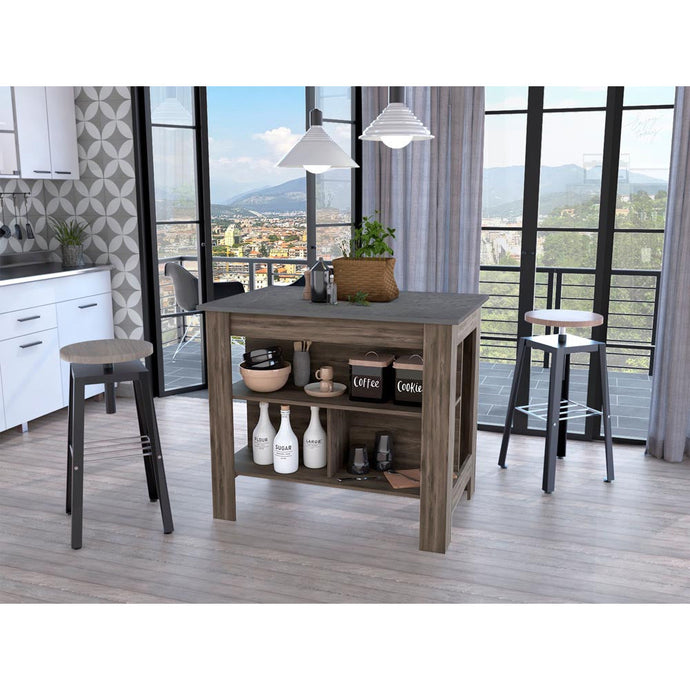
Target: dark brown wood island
x,y
439,437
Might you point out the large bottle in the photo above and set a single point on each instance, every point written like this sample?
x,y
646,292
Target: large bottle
x,y
262,437
314,442
319,281
285,445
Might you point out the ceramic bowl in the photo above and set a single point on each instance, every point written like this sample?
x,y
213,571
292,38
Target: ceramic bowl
x,y
265,380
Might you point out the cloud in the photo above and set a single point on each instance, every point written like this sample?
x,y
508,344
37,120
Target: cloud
x,y
279,140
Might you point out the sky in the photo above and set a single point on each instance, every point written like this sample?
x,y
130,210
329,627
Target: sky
x,y
572,138
250,129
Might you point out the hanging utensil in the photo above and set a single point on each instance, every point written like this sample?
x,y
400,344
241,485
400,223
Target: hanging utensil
x,y
5,229
28,226
17,227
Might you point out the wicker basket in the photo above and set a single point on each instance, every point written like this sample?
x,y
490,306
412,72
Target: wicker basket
x,y
373,276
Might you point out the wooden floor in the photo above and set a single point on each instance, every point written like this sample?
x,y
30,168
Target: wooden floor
x,y
587,542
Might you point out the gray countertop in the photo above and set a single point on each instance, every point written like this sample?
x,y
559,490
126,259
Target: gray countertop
x,y
12,275
411,307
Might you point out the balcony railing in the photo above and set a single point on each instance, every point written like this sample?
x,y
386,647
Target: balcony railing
x,y
632,304
631,323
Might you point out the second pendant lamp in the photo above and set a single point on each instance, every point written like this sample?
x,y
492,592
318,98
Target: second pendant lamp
x,y
397,125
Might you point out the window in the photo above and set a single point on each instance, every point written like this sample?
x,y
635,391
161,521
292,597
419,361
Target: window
x,y
334,193
574,204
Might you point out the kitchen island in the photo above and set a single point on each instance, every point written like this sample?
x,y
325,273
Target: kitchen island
x,y
439,437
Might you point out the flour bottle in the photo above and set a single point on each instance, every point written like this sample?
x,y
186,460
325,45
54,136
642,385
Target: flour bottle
x,y
262,437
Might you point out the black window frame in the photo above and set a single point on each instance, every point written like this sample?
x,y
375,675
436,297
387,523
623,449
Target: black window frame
x,y
606,232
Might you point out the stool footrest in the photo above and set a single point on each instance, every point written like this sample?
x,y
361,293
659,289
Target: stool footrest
x,y
569,409
117,448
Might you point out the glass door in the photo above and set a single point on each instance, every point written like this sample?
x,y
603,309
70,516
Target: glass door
x,y
177,237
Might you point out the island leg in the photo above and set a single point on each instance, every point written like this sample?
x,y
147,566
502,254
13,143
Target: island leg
x,y
219,366
438,437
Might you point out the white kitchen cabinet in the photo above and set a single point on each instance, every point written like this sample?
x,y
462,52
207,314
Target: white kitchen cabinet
x,y
88,318
9,166
8,141
46,132
37,318
62,130
6,111
32,132
31,385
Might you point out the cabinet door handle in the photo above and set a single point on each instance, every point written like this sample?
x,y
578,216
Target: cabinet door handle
x,y
29,318
38,342
63,172
86,306
42,172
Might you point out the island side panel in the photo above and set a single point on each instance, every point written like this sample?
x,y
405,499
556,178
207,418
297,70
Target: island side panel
x,y
219,363
438,436
469,403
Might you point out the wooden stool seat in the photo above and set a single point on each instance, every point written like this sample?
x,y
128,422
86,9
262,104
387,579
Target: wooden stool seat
x,y
564,318
112,351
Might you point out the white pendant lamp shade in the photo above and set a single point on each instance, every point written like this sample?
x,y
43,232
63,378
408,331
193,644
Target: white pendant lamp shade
x,y
397,125
316,152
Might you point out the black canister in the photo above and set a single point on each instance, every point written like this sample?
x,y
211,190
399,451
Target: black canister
x,y
370,377
319,281
408,386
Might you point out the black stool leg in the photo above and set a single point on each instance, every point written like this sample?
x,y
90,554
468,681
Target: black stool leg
x,y
159,470
144,430
606,412
77,474
109,391
520,359
552,421
70,416
563,424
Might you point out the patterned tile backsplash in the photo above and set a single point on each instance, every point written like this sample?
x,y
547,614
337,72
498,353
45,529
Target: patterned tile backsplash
x,y
104,198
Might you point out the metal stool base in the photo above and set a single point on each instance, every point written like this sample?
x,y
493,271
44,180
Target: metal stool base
x,y
559,409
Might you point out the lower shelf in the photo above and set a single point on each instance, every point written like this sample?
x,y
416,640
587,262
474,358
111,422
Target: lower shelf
x,y
245,466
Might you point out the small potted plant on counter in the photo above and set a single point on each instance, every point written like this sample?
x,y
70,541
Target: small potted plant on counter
x,y
71,236
367,265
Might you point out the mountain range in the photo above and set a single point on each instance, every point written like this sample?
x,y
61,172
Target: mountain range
x,y
502,193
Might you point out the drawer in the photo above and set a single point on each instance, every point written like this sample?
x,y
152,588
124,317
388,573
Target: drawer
x,y
73,287
49,290
30,370
25,321
86,318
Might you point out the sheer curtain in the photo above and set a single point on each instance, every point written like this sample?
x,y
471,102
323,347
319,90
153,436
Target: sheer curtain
x,y
430,192
669,419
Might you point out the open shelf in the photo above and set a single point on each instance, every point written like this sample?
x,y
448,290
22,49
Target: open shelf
x,y
291,395
244,465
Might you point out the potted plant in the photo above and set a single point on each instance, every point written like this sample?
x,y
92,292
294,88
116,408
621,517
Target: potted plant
x,y
71,236
367,264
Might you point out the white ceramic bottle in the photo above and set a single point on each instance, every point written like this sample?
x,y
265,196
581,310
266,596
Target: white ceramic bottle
x,y
262,437
285,445
314,442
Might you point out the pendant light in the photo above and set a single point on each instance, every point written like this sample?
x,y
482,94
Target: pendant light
x,y
316,152
397,125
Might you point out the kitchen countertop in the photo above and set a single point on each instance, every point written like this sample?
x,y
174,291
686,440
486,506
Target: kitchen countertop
x,y
13,275
410,307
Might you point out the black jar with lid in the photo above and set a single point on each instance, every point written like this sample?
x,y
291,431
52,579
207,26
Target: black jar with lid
x,y
370,377
408,385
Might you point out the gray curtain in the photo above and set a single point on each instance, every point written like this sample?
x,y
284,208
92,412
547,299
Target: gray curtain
x,y
430,191
669,420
